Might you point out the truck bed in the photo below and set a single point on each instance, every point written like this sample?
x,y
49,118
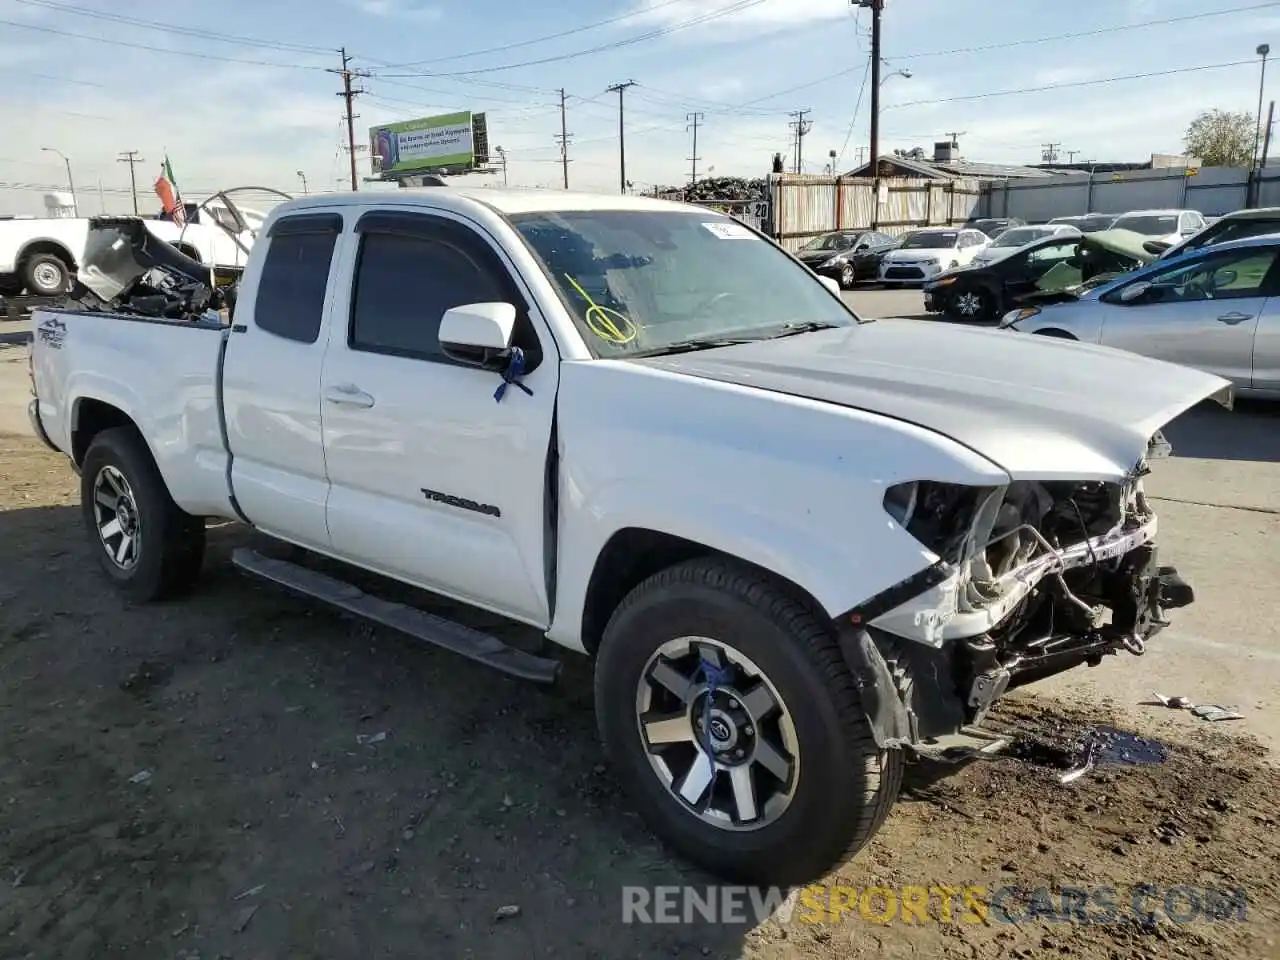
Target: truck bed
x,y
164,374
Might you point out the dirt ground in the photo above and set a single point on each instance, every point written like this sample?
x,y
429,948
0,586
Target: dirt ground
x,y
186,781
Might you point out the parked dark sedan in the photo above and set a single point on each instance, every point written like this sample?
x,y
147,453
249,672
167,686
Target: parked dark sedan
x,y
846,256
1041,268
993,226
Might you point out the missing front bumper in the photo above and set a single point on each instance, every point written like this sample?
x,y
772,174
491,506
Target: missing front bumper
x,y
916,692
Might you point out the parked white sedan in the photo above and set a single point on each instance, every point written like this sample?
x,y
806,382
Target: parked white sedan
x,y
926,253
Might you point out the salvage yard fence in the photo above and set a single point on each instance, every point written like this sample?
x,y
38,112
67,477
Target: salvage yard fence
x,y
1211,190
801,207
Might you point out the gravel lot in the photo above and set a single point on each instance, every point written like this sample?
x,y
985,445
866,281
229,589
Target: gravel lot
x,y
264,828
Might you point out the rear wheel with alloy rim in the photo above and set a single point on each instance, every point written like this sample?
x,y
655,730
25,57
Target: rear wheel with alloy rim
x,y
144,542
735,724
972,304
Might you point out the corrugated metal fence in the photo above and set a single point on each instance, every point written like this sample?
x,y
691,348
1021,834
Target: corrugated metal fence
x,y
1211,190
803,207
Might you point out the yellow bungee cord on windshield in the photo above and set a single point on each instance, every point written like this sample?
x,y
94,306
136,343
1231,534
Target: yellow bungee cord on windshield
x,y
609,325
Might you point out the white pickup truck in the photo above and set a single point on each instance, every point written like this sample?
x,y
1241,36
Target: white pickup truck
x,y
801,547
43,255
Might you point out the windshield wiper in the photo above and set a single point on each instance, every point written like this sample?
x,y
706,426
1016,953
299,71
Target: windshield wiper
x,y
804,326
695,343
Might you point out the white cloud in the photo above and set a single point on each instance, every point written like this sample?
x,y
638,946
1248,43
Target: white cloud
x,y
399,10
750,13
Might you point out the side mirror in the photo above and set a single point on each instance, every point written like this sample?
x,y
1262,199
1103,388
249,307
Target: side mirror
x,y
861,247
478,333
1224,278
1135,292
831,285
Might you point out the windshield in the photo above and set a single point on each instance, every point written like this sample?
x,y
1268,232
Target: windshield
x,y
1149,225
646,281
1020,235
832,241
930,240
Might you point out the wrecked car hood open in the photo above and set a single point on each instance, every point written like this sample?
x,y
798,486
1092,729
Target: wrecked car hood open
x,y
1040,408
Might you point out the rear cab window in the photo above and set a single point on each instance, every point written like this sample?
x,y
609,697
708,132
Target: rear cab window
x,y
289,302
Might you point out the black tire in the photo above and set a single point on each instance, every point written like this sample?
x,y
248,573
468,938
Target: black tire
x,y
848,276
169,543
845,786
983,312
46,275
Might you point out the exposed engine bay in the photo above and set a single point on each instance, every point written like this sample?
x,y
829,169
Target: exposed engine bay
x,y
1035,577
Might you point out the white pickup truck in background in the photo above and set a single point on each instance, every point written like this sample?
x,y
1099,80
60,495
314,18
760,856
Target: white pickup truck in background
x,y
41,256
801,547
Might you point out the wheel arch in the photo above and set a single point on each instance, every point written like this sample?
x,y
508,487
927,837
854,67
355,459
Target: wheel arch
x,y
633,554
41,245
90,416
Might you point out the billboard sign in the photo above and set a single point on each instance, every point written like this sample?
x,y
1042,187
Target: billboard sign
x,y
424,144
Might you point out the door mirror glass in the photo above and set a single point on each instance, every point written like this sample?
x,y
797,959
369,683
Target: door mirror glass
x,y
1135,292
478,333
1225,278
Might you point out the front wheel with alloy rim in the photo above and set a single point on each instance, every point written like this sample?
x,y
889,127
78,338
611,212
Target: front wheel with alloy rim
x,y
847,276
732,718
144,541
972,305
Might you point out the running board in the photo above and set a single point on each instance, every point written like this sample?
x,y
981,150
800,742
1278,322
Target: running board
x,y
481,647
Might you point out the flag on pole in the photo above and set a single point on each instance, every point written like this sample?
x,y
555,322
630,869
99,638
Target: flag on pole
x,y
170,198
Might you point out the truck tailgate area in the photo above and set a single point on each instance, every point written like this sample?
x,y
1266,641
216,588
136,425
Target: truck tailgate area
x,y
163,375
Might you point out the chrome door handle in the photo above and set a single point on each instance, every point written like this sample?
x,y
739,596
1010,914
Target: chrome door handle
x,y
349,395
1234,318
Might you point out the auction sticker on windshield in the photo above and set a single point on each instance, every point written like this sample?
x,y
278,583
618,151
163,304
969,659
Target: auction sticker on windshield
x,y
729,231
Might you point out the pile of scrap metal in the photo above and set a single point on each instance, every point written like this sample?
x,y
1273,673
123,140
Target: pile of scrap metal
x,y
128,270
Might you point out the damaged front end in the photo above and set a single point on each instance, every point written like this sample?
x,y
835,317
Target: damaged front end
x,y
1033,578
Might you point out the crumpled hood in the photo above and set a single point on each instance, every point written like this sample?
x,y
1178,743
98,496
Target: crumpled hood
x,y
1039,407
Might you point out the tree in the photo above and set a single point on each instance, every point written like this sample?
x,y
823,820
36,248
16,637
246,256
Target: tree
x,y
1222,138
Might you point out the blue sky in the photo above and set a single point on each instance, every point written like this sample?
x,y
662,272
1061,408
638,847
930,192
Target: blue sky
x,y
273,111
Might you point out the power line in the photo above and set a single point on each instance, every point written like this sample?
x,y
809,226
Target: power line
x,y
1015,43
707,17
856,107
199,33
543,39
1072,83
185,54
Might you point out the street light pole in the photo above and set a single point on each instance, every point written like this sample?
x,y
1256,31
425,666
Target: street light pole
x,y
75,207
1263,50
303,177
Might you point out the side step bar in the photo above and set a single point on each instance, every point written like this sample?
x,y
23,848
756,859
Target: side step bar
x,y
481,647
969,743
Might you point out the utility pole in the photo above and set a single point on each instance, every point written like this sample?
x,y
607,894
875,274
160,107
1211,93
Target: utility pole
x,y
502,155
620,89
102,200
1266,140
564,141
694,120
132,159
1050,152
876,7
1071,156
349,94
801,127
